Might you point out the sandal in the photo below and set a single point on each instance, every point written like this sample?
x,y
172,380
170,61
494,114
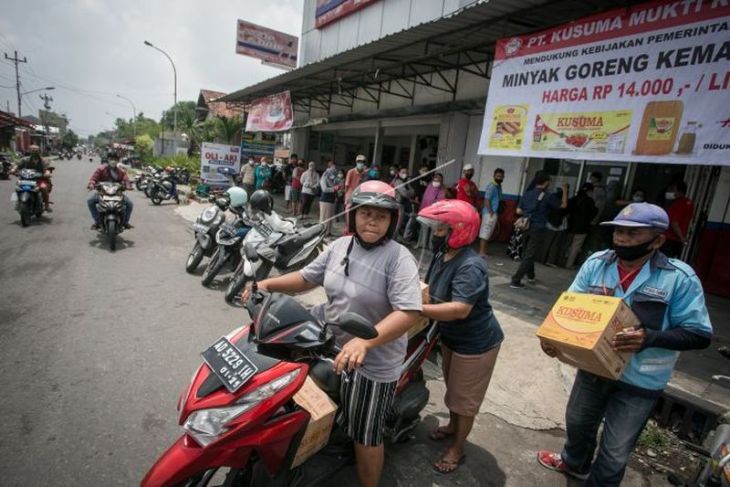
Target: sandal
x,y
446,467
440,434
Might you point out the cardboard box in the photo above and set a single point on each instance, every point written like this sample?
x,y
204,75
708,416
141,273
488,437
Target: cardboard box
x,y
422,322
322,411
582,326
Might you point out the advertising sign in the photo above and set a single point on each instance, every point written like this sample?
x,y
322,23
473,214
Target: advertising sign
x,y
330,10
257,145
269,45
270,114
649,83
214,156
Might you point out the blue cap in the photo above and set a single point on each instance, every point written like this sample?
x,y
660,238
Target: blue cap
x,y
641,215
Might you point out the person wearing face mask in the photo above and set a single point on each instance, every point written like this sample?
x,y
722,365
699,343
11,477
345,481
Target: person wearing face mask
x,y
405,194
373,173
248,176
339,193
667,297
354,177
328,196
435,191
680,210
470,333
310,183
581,212
466,190
263,174
112,173
296,187
491,210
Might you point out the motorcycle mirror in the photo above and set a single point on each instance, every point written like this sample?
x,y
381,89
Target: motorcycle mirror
x,y
357,326
251,252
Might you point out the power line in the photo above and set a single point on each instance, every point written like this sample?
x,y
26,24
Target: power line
x,y
16,60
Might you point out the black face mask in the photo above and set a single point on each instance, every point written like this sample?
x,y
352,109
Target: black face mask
x,y
630,253
438,244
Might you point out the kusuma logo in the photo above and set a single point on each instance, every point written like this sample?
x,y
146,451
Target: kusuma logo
x,y
578,314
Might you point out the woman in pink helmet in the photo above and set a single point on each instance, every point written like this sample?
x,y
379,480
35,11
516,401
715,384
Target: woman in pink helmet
x,y
470,334
368,273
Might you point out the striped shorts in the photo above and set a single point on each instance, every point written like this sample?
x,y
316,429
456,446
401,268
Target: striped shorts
x,y
364,406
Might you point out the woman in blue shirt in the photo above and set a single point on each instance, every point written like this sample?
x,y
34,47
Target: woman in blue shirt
x,y
470,334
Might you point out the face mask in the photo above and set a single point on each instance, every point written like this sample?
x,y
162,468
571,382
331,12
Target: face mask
x,y
250,163
669,196
340,176
637,199
392,172
373,174
438,244
113,164
469,176
403,175
633,252
360,166
436,184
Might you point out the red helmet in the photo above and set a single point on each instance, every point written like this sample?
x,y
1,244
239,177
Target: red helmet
x,y
379,195
460,216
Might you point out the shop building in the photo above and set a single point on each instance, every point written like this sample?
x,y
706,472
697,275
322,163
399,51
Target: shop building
x,y
405,82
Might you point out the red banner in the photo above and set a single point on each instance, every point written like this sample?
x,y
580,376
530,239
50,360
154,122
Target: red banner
x,y
330,10
271,114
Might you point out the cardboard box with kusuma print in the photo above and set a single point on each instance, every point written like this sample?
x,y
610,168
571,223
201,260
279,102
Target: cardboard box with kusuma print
x,y
582,326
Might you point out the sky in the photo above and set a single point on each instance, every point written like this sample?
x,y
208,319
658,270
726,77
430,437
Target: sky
x,y
92,50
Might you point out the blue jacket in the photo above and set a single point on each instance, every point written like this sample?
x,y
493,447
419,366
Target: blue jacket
x,y
666,294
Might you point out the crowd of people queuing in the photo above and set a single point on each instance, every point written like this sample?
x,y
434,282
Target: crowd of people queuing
x,y
635,243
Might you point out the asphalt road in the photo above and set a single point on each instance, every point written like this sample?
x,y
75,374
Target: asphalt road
x,y
95,346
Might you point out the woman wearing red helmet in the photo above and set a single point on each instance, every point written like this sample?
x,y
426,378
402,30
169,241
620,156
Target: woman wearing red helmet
x,y
371,274
470,334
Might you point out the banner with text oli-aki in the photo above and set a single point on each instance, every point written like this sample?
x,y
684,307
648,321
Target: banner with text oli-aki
x,y
215,156
649,83
270,114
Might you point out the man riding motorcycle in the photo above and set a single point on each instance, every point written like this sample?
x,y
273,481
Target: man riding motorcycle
x,y
35,162
109,172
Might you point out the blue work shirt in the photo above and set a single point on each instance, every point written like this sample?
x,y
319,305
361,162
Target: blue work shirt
x,y
493,193
665,294
537,208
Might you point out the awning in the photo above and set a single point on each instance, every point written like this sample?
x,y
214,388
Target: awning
x,y
10,120
462,41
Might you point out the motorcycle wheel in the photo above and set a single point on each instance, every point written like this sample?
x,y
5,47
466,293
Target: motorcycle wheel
x,y
194,258
184,177
111,233
138,185
156,199
236,284
25,214
148,191
213,268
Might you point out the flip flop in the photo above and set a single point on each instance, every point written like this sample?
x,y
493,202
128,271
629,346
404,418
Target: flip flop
x,y
451,467
439,434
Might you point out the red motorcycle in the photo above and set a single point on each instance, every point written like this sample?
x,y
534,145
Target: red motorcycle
x,y
242,426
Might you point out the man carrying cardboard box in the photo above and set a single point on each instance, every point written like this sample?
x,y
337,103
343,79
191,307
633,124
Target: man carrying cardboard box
x,y
667,297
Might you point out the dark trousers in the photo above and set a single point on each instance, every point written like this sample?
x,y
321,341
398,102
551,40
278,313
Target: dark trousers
x,y
624,413
307,200
534,239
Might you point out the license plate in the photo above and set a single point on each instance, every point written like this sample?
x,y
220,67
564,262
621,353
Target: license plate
x,y
197,227
263,230
229,364
27,183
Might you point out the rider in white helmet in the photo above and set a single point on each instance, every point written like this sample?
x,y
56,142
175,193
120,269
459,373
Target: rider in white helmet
x,y
238,198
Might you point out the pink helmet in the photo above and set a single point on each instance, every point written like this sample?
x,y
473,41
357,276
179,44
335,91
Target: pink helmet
x,y
459,216
379,195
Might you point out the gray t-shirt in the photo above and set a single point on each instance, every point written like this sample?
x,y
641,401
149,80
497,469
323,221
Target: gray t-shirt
x,y
381,280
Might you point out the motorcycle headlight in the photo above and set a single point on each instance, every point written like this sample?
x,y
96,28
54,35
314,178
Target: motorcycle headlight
x,y
207,425
208,214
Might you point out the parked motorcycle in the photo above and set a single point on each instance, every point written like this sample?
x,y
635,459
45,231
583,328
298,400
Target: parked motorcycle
x,y
27,196
205,228
141,179
111,208
238,414
278,246
229,239
162,188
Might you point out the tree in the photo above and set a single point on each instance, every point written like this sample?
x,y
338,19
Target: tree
x,y
70,139
125,129
227,129
143,146
185,111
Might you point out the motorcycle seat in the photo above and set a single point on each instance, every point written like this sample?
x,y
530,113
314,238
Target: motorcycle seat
x,y
326,379
289,245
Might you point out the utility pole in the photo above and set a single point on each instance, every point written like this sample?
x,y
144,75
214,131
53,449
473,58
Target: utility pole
x,y
47,105
16,60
